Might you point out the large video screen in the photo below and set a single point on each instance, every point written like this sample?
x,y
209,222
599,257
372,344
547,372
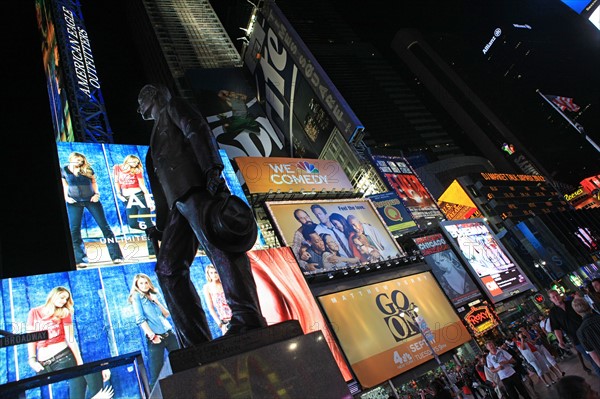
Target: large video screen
x,y
106,322
109,228
399,176
378,341
447,269
334,234
498,273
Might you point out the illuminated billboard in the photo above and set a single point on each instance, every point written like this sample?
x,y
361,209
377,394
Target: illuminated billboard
x,y
301,102
393,213
71,73
498,274
55,79
377,340
263,175
480,319
109,201
399,176
447,269
333,234
106,322
456,203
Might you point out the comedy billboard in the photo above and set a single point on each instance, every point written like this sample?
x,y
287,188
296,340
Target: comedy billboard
x,y
334,234
447,269
264,175
498,274
387,340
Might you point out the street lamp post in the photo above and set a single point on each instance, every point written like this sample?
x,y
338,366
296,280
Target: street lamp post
x,y
412,312
541,264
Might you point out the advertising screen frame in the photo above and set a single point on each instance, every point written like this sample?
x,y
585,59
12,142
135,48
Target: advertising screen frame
x,y
381,244
443,337
486,278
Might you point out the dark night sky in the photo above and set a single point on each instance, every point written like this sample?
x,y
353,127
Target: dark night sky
x,y
32,237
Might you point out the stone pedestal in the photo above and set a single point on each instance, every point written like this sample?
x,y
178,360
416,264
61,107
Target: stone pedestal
x,y
276,361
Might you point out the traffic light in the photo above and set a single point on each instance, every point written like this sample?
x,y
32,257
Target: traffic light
x,y
539,298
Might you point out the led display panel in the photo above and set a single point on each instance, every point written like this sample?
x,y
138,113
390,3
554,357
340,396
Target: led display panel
x,y
110,228
393,213
379,336
399,176
333,234
106,323
497,272
447,269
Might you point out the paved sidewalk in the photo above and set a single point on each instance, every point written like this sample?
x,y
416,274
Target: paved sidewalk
x,y
570,366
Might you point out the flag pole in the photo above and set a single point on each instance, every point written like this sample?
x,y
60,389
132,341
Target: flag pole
x,y
588,138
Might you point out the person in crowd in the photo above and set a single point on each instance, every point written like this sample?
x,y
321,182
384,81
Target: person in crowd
x,y
151,316
298,240
491,378
316,248
533,357
596,285
589,331
81,192
132,191
60,350
325,226
465,380
575,387
214,296
499,361
332,257
592,297
539,337
564,318
437,390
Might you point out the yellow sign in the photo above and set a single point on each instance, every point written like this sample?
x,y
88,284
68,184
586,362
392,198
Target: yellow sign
x,y
378,341
456,204
263,175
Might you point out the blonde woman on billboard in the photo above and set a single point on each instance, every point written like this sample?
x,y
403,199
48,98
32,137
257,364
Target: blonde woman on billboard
x,y
132,191
81,192
332,258
368,251
215,299
376,239
151,316
60,350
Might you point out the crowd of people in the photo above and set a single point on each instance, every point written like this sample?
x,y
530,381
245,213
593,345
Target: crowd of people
x,y
535,347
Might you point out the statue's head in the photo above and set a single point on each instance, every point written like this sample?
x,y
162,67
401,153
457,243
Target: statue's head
x,y
151,97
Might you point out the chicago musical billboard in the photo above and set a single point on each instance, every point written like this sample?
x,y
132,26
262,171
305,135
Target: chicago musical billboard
x,y
333,234
387,341
498,274
447,269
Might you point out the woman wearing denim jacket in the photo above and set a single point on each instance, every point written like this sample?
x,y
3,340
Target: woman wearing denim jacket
x,y
151,316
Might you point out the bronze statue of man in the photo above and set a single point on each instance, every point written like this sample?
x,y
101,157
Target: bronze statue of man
x,y
194,207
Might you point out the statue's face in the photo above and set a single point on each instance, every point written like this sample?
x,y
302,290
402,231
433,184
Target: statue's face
x,y
146,101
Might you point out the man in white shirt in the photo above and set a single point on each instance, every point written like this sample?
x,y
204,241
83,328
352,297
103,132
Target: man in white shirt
x,y
499,361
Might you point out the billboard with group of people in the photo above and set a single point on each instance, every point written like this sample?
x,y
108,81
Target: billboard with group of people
x,y
333,234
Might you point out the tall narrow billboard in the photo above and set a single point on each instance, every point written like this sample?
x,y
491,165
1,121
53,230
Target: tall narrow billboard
x,y
301,102
498,273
